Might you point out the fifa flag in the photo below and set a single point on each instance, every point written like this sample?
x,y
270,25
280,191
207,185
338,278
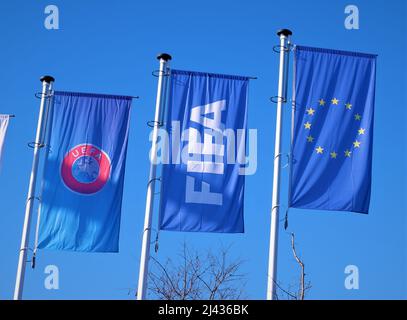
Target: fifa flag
x,y
333,130
84,173
202,187
4,120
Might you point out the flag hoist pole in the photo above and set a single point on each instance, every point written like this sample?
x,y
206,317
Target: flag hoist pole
x,y
281,99
145,249
47,82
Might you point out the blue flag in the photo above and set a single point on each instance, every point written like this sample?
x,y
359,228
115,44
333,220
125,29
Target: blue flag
x,y
84,173
203,185
333,130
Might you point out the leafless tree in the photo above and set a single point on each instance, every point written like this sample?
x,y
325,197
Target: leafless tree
x,y
303,286
197,276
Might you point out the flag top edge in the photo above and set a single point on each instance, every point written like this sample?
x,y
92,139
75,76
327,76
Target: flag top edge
x,y
334,51
91,95
208,74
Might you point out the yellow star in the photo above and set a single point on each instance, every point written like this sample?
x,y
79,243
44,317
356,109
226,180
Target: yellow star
x,y
348,106
348,153
322,102
334,155
335,101
356,144
310,111
310,139
361,131
307,125
358,117
319,150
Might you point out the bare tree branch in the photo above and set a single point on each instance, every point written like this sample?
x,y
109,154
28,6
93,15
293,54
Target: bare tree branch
x,y
197,276
290,295
302,287
301,293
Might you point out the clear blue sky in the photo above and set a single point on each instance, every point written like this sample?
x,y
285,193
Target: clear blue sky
x,y
110,47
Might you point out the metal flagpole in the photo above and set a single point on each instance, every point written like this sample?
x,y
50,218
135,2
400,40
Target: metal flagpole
x,y
145,249
284,35
47,82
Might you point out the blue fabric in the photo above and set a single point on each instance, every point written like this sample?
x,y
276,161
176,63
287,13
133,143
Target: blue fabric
x,y
203,197
333,130
84,173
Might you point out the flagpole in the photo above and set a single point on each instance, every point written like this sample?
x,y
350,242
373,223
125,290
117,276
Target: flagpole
x,y
284,35
47,82
145,249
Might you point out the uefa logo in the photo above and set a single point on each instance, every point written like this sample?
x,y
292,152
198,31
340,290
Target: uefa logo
x,y
85,169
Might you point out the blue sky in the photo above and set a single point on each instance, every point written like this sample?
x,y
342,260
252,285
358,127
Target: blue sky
x,y
110,47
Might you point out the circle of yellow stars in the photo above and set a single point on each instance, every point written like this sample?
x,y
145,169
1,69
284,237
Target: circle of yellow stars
x,y
319,149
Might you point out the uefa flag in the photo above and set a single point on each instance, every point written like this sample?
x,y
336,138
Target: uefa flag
x,y
333,130
84,173
4,120
203,184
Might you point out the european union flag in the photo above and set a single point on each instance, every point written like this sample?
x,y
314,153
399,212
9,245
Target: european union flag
x,y
84,172
203,186
333,130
